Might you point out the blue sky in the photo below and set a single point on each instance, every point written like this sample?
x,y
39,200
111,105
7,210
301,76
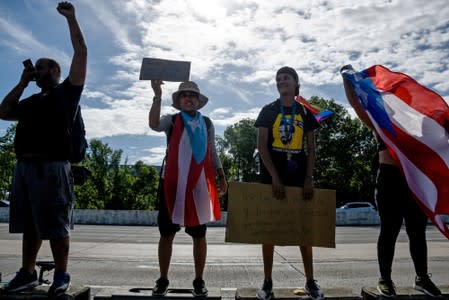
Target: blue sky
x,y
234,46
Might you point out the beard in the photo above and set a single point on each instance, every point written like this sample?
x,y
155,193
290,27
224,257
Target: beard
x,y
45,81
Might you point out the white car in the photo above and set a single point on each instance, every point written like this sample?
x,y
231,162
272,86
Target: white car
x,y
357,207
4,203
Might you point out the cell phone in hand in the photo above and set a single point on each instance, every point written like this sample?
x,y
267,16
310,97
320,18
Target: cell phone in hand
x,y
29,67
28,64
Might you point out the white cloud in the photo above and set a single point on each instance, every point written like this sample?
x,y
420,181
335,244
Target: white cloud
x,y
235,48
234,118
235,42
155,156
118,121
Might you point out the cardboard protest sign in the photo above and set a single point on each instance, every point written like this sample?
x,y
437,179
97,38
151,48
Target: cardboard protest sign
x,y
167,70
255,217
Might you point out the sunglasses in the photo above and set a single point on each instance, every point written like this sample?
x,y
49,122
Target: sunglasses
x,y
188,94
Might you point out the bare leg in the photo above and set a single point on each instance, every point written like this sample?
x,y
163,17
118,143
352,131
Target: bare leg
x,y
199,255
267,254
30,248
165,251
60,250
307,258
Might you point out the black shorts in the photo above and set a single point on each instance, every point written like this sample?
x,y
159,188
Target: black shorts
x,y
295,177
42,200
166,226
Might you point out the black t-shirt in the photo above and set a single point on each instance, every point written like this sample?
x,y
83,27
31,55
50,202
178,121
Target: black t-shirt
x,y
286,140
44,119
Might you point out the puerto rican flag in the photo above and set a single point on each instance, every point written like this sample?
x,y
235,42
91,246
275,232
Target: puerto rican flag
x,y
413,121
319,114
189,187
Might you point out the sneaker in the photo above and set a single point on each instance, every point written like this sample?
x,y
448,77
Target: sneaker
x,y
386,287
22,281
313,289
161,287
425,285
266,292
61,284
199,289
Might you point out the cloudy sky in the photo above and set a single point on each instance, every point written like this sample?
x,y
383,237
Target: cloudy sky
x,y
234,46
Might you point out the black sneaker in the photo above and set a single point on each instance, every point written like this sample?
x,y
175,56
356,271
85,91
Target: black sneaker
x,y
161,287
199,289
22,281
386,287
61,284
313,289
266,292
425,285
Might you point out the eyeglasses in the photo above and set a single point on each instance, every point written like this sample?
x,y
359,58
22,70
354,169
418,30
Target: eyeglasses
x,y
188,94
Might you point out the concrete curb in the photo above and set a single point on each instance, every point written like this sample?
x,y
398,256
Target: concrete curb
x,y
149,218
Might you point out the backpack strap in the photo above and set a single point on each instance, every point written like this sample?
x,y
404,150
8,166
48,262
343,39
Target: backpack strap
x,y
76,112
208,122
71,120
170,130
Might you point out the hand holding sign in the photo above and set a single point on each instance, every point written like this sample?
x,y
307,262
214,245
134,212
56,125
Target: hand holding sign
x,y
156,86
168,70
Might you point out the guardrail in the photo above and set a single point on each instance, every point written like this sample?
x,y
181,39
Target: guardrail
x,y
149,218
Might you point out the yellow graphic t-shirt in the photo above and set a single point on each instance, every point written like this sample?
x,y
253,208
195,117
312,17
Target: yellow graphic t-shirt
x,y
288,137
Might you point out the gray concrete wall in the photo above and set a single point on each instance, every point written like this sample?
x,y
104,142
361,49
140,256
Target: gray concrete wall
x,y
149,218
113,217
124,217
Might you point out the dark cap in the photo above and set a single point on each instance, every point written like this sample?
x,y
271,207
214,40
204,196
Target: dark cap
x,y
291,72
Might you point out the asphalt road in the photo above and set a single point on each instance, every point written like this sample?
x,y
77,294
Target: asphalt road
x,y
110,256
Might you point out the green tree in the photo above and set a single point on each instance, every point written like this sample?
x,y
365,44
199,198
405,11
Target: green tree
x,y
223,154
345,150
7,160
144,187
239,145
110,186
98,162
116,186
86,196
120,182
226,162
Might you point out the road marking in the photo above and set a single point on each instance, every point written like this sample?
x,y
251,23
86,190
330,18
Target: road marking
x,y
209,264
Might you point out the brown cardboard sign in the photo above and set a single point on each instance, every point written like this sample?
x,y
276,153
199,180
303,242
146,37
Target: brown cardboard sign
x,y
164,69
255,217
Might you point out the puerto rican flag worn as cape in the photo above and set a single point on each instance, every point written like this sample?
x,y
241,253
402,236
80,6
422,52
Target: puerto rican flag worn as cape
x,y
413,121
189,187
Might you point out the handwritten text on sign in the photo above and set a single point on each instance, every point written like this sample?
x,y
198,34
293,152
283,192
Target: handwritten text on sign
x,y
255,217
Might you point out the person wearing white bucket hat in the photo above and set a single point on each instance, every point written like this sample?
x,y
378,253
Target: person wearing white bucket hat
x,y
188,86
188,193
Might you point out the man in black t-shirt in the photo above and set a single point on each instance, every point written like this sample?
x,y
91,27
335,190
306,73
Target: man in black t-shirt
x,y
42,188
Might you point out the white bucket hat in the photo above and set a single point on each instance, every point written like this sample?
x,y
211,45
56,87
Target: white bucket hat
x,y
188,86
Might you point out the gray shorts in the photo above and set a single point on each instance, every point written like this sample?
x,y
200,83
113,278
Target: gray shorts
x,y
42,200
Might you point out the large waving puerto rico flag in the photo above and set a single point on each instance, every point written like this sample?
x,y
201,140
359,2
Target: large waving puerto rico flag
x,y
189,186
413,121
